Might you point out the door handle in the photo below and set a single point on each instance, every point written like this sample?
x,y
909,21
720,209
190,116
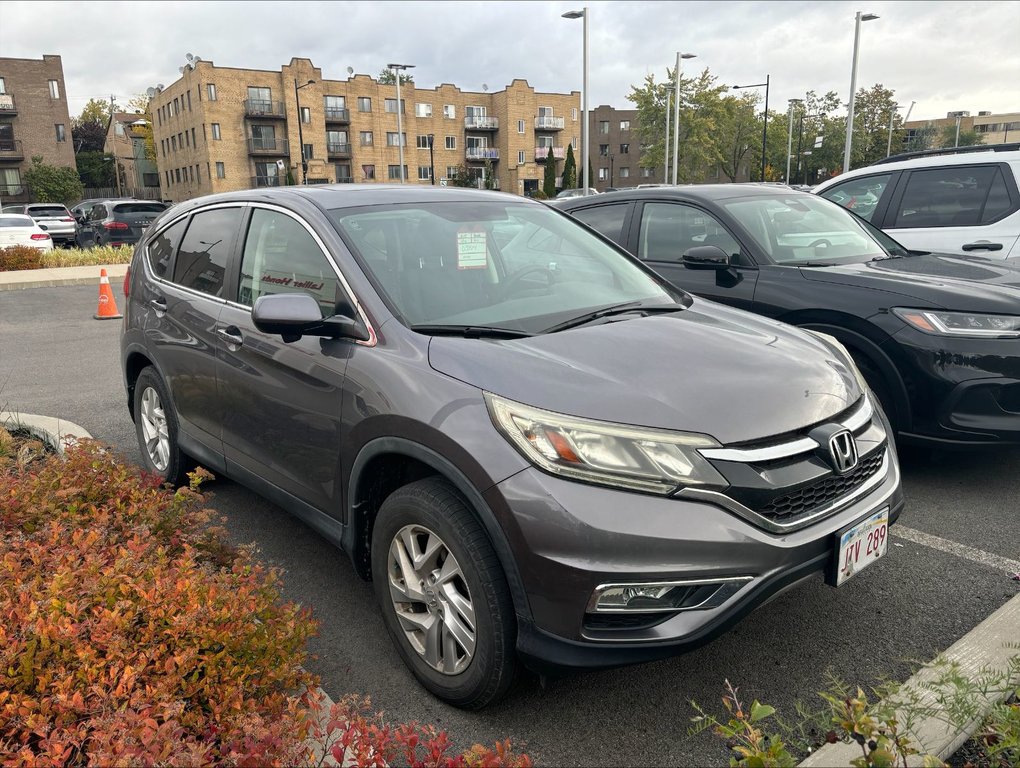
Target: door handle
x,y
159,305
231,335
982,245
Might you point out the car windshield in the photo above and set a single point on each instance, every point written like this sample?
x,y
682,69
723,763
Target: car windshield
x,y
139,208
807,230
15,221
487,264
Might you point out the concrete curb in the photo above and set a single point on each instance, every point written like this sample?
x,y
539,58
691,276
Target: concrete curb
x,y
983,649
56,276
59,434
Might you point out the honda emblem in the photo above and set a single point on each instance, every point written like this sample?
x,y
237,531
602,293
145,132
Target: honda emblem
x,y
843,450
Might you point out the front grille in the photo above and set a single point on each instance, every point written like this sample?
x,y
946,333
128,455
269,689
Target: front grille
x,y
624,621
825,491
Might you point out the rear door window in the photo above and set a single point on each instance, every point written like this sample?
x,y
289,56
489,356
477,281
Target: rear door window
x,y
860,195
950,197
605,219
205,250
164,246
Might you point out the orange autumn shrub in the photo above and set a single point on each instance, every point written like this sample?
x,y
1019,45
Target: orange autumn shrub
x,y
20,257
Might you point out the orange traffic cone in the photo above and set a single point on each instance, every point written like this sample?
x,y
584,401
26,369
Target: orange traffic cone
x,y
107,304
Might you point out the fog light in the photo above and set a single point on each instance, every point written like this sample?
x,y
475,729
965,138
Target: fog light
x,y
664,596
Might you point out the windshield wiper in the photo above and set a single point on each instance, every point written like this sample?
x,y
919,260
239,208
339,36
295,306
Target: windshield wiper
x,y
816,263
471,331
619,309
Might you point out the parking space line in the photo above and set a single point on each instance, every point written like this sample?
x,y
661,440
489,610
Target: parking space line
x,y
953,548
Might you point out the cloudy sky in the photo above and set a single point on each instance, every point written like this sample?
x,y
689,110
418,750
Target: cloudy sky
x,y
943,55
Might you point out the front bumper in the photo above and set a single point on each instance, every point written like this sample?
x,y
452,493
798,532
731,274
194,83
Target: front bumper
x,y
570,537
961,391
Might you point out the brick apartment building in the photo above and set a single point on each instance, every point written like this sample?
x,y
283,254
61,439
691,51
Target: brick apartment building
x,y
125,140
998,128
221,128
33,121
616,150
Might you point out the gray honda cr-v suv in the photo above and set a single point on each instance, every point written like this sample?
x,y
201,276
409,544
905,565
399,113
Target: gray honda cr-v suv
x,y
538,450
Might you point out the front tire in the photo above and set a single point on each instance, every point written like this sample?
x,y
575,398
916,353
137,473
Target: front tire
x,y
443,594
156,426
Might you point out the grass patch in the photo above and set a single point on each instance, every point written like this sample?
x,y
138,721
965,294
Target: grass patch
x,y
90,257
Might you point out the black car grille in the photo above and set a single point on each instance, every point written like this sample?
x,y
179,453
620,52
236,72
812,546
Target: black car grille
x,y
819,494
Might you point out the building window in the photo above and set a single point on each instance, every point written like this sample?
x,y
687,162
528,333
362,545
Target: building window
x,y
306,115
198,174
573,114
625,125
603,150
177,175
342,171
451,171
54,89
423,110
451,142
307,151
394,172
423,141
625,149
119,129
520,157
221,171
520,126
646,173
366,138
424,173
573,141
449,111
173,143
391,139
625,173
603,174
61,133
364,104
603,126
3,87
210,92
390,105
167,174
368,171
177,106
189,100
187,139
216,132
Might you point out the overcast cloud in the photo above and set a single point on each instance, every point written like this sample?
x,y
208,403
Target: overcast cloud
x,y
943,55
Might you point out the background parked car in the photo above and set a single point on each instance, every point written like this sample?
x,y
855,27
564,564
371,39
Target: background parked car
x,y
935,336
117,222
54,218
949,203
18,229
575,193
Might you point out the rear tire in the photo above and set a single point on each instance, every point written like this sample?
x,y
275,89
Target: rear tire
x,y
443,594
156,426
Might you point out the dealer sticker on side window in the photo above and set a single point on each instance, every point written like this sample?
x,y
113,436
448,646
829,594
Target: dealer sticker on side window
x,y
471,250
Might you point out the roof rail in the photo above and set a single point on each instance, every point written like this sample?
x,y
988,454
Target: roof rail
x,y
949,151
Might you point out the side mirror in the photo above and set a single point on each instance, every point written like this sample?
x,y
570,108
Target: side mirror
x,y
706,257
293,315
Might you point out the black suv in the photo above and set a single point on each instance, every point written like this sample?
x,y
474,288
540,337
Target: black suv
x,y
934,335
116,222
536,448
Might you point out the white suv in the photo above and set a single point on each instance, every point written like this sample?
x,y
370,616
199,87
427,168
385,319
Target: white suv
x,y
950,203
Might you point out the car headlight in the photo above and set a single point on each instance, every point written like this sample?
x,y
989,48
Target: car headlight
x,y
971,324
651,460
848,359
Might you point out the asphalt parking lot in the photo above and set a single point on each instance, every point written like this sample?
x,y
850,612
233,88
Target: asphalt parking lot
x,y
946,570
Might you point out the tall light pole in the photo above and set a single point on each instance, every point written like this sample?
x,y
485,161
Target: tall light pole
x,y
300,133
583,14
789,138
397,69
676,110
665,144
853,87
765,121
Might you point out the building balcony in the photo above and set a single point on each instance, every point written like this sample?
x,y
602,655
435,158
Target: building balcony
x,y
548,123
10,149
268,147
542,153
480,154
267,181
336,149
481,123
7,105
338,115
14,193
264,109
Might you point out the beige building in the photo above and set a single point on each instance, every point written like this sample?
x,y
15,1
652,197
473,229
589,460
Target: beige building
x,y
125,140
1001,128
33,121
220,128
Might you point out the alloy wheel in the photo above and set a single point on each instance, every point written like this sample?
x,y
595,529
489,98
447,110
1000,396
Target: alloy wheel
x,y
154,429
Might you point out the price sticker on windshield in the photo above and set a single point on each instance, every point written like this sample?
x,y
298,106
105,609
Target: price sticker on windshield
x,y
471,253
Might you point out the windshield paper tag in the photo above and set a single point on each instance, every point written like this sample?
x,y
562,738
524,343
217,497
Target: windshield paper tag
x,y
471,250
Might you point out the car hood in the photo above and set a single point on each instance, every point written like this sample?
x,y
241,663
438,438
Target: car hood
x,y
708,369
949,282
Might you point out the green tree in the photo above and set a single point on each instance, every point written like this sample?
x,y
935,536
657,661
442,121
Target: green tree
x,y
922,138
95,169
489,175
570,169
549,179
812,120
51,183
739,130
872,110
968,138
88,130
386,77
462,177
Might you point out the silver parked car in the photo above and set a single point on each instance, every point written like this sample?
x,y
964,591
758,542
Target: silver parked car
x,y
54,218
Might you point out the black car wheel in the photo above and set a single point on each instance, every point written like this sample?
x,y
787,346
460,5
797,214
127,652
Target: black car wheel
x,y
157,429
443,594
880,386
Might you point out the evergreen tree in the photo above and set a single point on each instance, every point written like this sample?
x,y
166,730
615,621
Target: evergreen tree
x,y
549,182
570,169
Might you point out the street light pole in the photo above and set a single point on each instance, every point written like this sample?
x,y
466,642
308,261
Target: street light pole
x,y
853,87
583,14
397,68
765,120
789,138
676,110
300,132
665,144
